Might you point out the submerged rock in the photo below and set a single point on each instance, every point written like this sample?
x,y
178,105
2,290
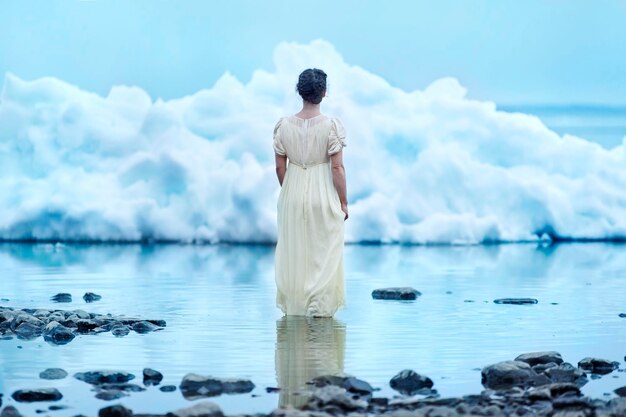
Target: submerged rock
x,y
508,374
202,409
120,330
53,373
103,377
62,297
35,395
598,366
566,372
90,297
194,386
396,293
349,383
10,411
517,301
57,334
145,327
111,394
168,388
409,382
540,358
115,411
621,391
28,331
332,397
152,377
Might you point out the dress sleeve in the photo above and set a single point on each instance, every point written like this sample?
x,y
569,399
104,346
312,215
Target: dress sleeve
x,y
278,144
336,138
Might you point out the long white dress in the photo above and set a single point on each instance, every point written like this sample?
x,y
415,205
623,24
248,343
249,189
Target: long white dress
x,y
309,250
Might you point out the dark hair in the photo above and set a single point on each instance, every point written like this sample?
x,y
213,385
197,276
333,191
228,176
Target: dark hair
x,y
312,85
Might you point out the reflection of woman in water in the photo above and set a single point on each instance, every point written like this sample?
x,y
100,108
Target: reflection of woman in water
x,y
306,348
312,205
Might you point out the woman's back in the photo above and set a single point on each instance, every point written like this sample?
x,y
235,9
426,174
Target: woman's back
x,y
308,142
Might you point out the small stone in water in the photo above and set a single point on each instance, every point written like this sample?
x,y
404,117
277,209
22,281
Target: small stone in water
x,y
151,377
168,388
396,293
53,373
90,297
62,297
42,394
516,301
622,315
115,411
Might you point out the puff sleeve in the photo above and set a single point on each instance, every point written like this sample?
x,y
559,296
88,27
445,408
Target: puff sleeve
x,y
279,149
337,137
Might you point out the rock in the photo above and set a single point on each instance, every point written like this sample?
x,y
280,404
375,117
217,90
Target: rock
x,y
561,388
144,327
202,409
53,373
120,330
542,367
566,372
160,323
10,411
86,325
349,383
28,331
33,395
598,366
110,395
408,382
81,314
516,301
57,407
621,391
168,388
115,411
537,358
236,386
334,396
90,297
57,334
122,386
622,315
152,377
508,374
194,386
396,293
103,377
62,297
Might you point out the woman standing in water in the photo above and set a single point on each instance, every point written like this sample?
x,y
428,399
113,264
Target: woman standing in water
x,y
312,205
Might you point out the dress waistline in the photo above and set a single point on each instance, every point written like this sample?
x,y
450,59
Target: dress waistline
x,y
305,166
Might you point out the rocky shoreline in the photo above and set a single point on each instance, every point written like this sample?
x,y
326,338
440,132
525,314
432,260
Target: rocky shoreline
x,y
59,327
538,384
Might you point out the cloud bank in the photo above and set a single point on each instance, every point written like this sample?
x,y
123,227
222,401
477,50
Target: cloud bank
x,y
424,167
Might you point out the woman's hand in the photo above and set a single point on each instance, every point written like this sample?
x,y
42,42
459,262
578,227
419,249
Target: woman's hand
x,y
344,208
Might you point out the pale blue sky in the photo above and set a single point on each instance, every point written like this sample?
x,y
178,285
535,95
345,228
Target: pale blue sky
x,y
535,51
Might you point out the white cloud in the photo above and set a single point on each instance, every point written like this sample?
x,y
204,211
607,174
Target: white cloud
x,y
423,167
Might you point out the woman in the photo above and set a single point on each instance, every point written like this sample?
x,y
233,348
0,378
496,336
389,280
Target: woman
x,y
312,205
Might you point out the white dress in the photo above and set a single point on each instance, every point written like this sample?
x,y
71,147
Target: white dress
x,y
309,250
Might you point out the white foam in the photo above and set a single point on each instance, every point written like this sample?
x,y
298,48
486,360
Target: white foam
x,y
427,166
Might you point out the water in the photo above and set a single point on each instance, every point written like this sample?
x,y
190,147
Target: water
x,y
219,305
603,124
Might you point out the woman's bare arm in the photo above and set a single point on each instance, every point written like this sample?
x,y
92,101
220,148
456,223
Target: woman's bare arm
x,y
281,167
339,179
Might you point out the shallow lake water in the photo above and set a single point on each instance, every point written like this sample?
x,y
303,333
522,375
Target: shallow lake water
x,y
218,302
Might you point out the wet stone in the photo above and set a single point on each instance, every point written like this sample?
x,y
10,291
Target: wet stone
x,y
110,395
409,382
36,395
516,301
53,373
120,330
62,298
152,377
508,374
115,411
57,334
102,377
168,388
10,411
144,326
396,293
90,297
598,366
540,358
